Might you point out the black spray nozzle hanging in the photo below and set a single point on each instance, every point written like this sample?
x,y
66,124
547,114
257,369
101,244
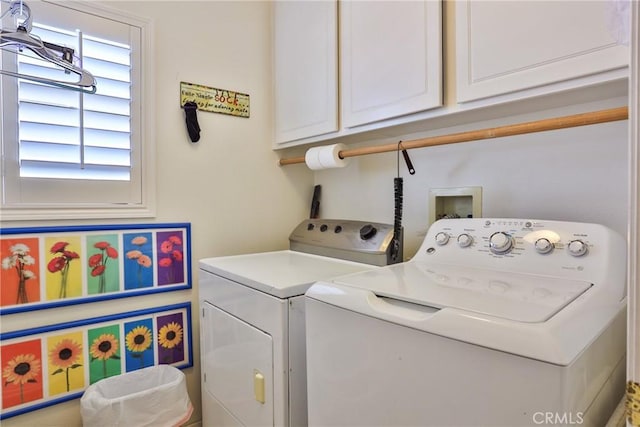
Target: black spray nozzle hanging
x,y
193,127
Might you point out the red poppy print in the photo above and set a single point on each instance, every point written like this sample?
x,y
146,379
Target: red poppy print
x,y
166,247
95,260
165,262
170,257
56,264
98,270
61,263
102,262
58,247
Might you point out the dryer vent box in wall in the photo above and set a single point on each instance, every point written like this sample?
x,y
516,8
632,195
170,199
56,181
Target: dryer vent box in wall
x,y
458,202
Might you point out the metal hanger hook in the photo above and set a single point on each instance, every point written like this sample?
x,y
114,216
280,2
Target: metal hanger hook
x,y
20,12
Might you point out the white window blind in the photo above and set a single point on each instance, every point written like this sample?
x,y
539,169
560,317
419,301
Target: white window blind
x,y
73,135
68,154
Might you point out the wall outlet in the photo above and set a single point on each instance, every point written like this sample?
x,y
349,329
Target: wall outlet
x,y
458,202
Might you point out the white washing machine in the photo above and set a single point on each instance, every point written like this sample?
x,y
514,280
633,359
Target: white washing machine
x,y
252,333
494,322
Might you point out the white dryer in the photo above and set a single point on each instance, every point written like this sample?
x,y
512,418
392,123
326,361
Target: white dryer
x,y
494,322
252,319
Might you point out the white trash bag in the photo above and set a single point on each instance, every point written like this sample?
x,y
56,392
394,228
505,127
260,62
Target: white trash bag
x,y
154,396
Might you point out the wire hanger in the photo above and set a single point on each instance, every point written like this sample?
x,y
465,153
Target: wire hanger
x,y
59,55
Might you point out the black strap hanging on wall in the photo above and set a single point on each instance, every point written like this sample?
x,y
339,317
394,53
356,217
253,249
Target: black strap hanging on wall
x,y
193,127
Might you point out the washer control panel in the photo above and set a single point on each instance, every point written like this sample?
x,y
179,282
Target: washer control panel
x,y
557,248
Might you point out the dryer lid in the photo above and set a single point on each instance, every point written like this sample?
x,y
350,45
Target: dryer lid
x,y
512,296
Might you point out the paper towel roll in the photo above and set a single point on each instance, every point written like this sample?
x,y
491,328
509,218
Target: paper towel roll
x,y
325,157
312,160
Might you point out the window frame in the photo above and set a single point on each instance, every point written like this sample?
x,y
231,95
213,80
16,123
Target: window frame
x,y
142,133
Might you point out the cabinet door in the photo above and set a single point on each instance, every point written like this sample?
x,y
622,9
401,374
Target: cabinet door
x,y
305,69
237,367
391,59
506,46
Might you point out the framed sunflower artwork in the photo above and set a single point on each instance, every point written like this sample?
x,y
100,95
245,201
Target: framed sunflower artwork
x,y
49,365
49,267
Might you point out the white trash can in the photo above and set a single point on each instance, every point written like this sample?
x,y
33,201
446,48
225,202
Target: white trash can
x,y
154,396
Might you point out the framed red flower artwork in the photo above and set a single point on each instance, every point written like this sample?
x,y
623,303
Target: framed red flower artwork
x,y
48,267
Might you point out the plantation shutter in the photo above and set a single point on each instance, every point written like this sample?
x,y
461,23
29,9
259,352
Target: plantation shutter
x,y
72,135
68,154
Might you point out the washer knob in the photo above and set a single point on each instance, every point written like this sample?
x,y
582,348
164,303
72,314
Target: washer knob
x,y
442,238
577,248
543,246
500,243
367,232
464,240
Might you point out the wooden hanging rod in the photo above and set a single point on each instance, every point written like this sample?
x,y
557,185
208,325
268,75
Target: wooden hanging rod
x,y
592,118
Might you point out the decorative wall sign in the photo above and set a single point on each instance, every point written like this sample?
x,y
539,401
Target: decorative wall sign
x,y
215,100
54,266
52,364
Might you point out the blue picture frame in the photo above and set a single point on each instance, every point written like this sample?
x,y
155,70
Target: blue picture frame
x,y
39,347
48,267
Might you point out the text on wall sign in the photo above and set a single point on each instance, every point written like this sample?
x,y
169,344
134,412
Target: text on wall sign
x,y
215,100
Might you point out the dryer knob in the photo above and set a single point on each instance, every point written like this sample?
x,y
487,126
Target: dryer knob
x,y
368,231
464,240
577,248
442,238
500,243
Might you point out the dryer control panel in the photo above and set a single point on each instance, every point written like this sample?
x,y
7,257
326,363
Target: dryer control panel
x,y
359,241
560,249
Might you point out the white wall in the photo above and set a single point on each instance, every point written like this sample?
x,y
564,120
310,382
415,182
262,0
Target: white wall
x,y
577,174
228,185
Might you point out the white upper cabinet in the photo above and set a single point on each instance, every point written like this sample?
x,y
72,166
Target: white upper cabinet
x,y
305,69
508,46
391,65
361,68
390,59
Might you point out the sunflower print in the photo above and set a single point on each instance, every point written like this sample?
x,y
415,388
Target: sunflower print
x,y
170,335
22,369
66,354
633,403
138,339
104,347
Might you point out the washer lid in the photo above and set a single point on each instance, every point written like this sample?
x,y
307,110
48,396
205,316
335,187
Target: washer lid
x,y
511,296
282,274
